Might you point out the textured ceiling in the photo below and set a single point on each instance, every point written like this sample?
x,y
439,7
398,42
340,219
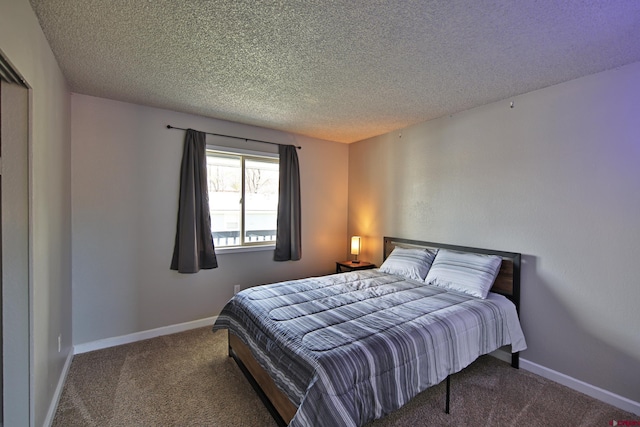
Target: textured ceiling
x,y
338,70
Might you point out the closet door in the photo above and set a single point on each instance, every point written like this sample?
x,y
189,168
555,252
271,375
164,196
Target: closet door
x,y
14,252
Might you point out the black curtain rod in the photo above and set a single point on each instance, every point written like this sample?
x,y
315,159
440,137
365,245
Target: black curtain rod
x,y
236,137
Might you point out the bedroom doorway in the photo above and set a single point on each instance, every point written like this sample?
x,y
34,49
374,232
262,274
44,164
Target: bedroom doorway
x,y
14,248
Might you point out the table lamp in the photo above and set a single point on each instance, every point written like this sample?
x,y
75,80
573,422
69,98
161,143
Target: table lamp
x,y
355,248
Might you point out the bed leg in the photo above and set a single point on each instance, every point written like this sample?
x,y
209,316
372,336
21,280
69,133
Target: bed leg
x,y
446,408
515,360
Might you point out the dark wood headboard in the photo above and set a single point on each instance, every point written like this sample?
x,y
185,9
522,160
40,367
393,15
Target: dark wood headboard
x,y
507,282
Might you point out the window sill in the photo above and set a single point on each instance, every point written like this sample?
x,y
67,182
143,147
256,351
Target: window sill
x,y
238,249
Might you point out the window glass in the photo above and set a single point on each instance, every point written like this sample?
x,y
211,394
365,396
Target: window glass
x,y
261,200
243,198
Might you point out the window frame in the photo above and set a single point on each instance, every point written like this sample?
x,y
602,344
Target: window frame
x,y
252,155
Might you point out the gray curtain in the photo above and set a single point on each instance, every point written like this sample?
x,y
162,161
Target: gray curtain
x,y
193,249
288,237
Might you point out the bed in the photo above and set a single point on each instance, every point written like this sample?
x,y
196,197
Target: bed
x,y
348,348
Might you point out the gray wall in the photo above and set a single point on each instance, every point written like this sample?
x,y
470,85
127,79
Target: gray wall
x,y
555,178
24,45
125,176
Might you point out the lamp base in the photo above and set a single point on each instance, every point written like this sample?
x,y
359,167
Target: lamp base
x,y
355,261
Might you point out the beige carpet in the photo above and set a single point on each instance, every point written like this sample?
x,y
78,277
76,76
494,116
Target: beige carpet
x,y
187,379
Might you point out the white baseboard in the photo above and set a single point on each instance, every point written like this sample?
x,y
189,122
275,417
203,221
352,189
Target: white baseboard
x,y
58,392
143,335
588,389
503,355
573,383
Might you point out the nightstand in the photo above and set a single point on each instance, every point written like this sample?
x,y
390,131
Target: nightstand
x,y
351,266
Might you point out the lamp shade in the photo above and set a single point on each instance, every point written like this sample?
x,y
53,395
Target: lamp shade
x,y
355,245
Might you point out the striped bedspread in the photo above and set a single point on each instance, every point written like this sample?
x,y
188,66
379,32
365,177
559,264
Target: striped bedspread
x,y
349,348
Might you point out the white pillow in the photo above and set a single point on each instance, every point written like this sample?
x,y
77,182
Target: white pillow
x,y
470,273
410,263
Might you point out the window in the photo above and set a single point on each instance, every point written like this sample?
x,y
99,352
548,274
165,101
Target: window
x,y
243,198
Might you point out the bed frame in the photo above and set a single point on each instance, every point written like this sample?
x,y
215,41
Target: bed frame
x,y
507,283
